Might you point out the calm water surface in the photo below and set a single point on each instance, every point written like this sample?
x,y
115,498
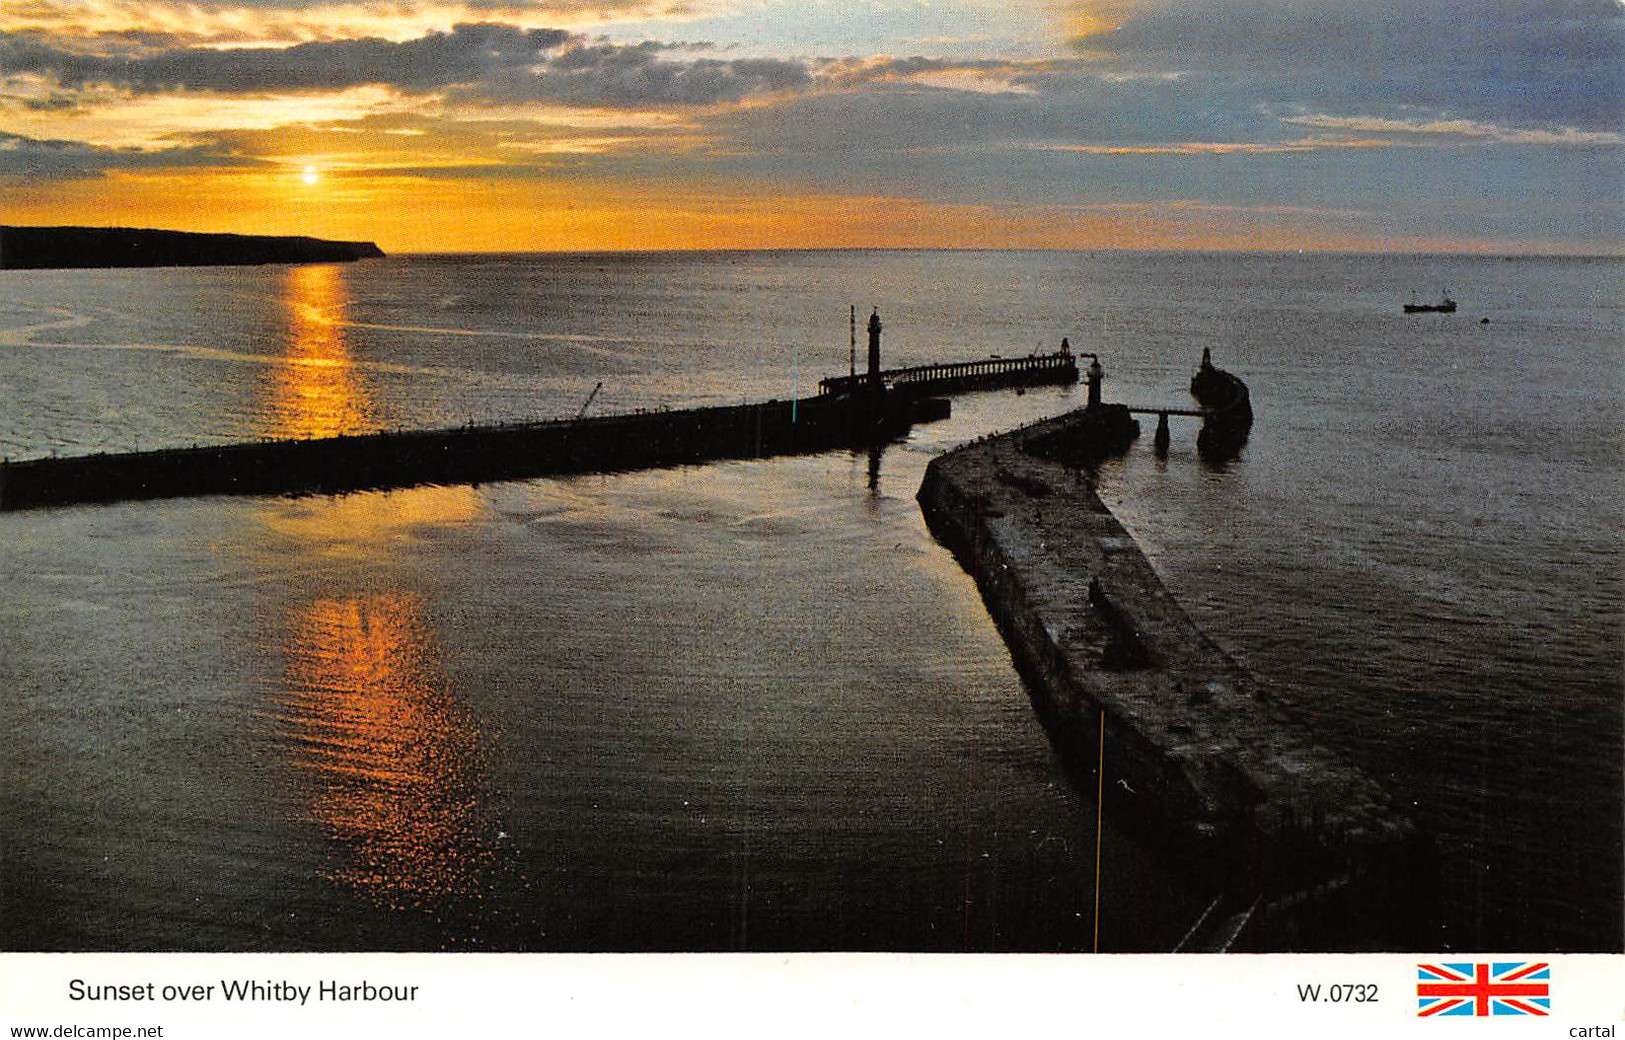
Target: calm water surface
x,y
753,705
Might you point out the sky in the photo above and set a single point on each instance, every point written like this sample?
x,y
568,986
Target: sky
x,y
433,125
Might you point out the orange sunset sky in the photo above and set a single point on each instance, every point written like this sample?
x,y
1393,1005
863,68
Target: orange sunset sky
x,y
564,124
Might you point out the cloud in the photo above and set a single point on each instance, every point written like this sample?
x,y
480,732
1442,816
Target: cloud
x,y
483,62
466,54
109,117
1234,78
263,22
1458,128
974,74
27,159
638,75
425,145
1215,147
915,107
1513,62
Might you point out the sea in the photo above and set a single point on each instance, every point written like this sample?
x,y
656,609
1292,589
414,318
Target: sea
x,y
754,705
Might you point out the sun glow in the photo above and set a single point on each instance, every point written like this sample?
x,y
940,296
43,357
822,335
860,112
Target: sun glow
x,y
310,176
317,391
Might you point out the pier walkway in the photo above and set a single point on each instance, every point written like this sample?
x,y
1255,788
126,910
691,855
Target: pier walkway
x,y
991,373
1163,437
471,454
849,412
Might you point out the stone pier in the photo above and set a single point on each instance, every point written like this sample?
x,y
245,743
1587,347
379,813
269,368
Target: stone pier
x,y
1268,817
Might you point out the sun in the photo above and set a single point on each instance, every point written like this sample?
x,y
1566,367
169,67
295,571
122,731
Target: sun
x,y
310,176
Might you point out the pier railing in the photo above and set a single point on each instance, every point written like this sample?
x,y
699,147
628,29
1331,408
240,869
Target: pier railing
x,y
984,373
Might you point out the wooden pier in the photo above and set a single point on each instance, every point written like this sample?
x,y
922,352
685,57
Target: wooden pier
x,y
993,373
1163,437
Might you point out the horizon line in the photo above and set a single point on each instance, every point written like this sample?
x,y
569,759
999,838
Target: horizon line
x,y
1257,250
1521,251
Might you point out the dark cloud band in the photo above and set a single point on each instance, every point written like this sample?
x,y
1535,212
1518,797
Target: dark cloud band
x,y
32,159
482,62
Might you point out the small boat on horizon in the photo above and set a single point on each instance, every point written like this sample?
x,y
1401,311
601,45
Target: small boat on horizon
x,y
1445,305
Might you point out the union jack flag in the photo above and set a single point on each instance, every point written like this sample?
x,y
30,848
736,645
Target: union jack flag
x,y
1499,988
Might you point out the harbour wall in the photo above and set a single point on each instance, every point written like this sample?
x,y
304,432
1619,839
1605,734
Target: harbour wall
x,y
992,373
1299,847
850,412
470,454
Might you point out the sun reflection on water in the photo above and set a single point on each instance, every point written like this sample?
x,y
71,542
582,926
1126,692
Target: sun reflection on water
x,y
316,390
395,758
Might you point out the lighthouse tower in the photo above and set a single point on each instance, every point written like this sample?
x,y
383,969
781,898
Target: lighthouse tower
x,y
874,352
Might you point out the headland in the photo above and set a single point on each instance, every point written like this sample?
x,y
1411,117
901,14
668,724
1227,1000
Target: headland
x,y
64,247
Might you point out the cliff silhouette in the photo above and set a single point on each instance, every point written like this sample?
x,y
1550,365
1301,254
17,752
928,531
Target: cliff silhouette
x,y
50,247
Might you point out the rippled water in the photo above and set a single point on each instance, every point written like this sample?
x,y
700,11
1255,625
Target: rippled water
x,y
754,705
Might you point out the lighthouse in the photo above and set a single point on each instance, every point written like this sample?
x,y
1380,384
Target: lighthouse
x,y
874,352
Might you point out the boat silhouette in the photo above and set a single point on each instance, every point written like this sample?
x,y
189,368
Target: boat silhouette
x,y
1445,305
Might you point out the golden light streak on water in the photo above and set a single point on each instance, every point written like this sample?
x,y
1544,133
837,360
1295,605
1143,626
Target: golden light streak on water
x,y
391,754
316,390
393,758
375,528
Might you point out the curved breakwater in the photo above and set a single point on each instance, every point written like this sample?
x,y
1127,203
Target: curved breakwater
x,y
1296,844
